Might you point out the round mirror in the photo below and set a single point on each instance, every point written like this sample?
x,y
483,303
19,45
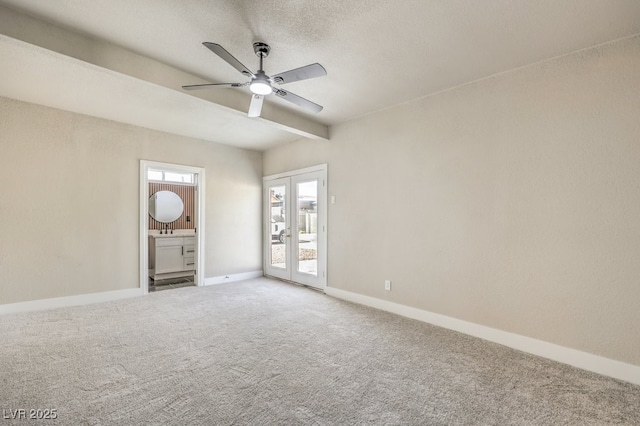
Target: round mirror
x,y
165,206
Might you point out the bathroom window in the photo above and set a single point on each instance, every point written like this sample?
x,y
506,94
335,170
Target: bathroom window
x,y
155,175
162,176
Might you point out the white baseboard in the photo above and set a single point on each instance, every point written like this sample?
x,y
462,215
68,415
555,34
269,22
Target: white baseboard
x,y
60,302
85,299
232,277
586,361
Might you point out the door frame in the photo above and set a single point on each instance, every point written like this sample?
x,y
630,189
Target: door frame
x,y
322,218
145,165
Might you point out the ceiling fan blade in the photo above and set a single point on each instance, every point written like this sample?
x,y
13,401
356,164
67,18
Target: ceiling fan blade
x,y
212,85
298,100
256,105
228,57
302,73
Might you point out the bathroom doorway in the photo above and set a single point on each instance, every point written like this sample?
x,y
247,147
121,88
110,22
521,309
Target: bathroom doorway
x,y
171,225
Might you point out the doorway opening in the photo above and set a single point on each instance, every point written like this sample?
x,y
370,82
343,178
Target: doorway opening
x,y
171,226
295,226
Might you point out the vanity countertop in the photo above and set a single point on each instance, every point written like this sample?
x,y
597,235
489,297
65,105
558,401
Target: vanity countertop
x,y
181,233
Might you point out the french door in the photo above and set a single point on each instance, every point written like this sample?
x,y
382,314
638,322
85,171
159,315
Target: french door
x,y
295,222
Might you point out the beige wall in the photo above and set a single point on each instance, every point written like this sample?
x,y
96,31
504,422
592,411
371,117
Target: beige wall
x,y
512,202
59,168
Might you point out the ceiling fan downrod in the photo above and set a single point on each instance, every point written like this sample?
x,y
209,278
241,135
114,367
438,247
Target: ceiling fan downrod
x,y
262,51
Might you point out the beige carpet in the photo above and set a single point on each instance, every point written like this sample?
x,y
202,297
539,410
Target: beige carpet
x,y
264,352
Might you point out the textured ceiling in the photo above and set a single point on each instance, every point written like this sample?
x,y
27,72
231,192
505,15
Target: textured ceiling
x,y
378,53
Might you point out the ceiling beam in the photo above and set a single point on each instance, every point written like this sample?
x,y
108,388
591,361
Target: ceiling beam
x,y
114,58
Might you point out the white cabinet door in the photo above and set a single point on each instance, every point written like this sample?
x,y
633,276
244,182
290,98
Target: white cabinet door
x,y
169,259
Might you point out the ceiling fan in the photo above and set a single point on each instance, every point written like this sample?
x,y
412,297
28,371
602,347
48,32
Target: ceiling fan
x,y
261,84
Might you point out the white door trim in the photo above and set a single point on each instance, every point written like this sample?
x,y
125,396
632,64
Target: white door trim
x,y
145,165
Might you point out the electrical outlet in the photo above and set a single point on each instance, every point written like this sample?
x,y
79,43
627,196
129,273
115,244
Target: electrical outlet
x,y
387,285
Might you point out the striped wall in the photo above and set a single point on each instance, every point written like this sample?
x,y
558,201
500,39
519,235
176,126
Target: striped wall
x,y
188,195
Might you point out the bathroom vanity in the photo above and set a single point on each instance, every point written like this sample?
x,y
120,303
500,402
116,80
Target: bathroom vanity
x,y
171,255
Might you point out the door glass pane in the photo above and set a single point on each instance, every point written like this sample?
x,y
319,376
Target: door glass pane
x,y
307,211
278,227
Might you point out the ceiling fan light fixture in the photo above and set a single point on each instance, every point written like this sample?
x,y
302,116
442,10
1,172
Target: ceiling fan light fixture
x,y
260,87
